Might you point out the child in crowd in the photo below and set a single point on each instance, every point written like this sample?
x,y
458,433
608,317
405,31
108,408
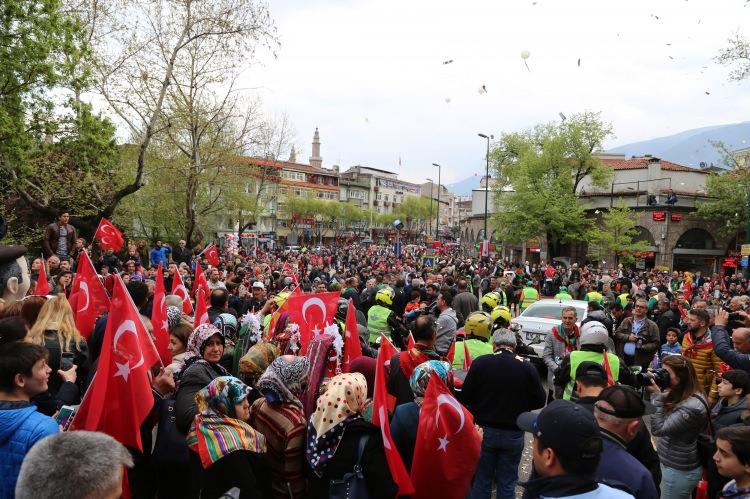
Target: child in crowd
x,y
413,302
733,390
732,459
672,346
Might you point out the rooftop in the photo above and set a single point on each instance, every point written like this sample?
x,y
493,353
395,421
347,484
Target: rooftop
x,y
618,162
287,165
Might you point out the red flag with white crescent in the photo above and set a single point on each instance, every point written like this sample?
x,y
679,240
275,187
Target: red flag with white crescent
x,y
447,448
200,281
212,254
109,236
159,318
380,418
410,342
88,298
312,312
120,398
352,348
178,288
42,283
201,309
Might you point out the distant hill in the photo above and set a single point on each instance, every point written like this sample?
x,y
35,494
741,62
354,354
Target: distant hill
x,y
464,187
691,147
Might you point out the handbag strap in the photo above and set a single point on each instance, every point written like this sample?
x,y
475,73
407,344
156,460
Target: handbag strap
x,y
708,414
361,451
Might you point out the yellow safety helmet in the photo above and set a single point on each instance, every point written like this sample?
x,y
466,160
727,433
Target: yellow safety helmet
x,y
478,324
502,313
490,300
385,295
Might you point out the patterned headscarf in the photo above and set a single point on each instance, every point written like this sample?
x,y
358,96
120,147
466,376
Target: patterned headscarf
x,y
197,341
227,323
174,316
421,376
341,404
284,380
215,431
258,358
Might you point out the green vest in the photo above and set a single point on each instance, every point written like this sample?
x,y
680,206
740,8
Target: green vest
x,y
377,322
623,299
563,296
530,295
578,356
475,347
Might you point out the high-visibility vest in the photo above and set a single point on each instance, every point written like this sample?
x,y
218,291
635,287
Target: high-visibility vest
x,y
578,356
530,295
377,322
504,300
623,299
594,296
563,296
476,348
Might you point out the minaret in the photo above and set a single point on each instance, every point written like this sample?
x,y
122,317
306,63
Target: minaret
x,y
315,159
293,156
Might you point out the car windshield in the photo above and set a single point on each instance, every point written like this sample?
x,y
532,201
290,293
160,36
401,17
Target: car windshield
x,y
551,311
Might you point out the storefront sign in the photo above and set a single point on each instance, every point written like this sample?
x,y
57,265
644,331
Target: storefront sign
x,y
676,217
659,216
745,250
729,262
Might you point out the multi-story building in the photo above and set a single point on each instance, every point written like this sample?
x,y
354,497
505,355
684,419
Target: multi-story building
x,y
376,189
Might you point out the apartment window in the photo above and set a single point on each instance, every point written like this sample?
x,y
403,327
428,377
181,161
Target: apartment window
x,y
386,197
380,196
297,192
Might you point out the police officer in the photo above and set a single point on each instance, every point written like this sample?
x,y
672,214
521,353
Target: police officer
x,y
563,294
490,301
529,295
382,320
477,338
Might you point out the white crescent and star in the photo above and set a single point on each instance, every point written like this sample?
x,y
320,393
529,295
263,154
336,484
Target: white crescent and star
x,y
315,301
447,399
85,288
107,231
123,370
382,415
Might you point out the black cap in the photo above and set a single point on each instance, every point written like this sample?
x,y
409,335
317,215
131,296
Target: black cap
x,y
568,428
592,371
625,401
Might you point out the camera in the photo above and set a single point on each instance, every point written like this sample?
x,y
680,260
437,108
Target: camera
x,y
660,377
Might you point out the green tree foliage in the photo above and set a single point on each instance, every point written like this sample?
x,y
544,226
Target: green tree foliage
x,y
540,172
727,201
615,234
737,55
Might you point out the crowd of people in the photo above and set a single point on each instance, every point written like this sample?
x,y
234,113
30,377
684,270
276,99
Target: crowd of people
x,y
244,408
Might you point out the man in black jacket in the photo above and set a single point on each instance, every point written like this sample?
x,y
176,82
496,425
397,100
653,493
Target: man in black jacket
x,y
497,389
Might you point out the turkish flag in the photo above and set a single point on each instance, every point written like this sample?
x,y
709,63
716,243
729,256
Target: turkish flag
x,y
380,418
447,448
201,309
159,319
410,342
212,254
178,288
109,236
200,280
352,348
88,298
312,312
467,357
451,352
120,398
42,283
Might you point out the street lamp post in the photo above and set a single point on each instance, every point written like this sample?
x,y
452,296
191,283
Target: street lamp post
x,y
432,186
437,215
486,182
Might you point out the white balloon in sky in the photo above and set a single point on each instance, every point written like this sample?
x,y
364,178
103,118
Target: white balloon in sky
x,y
525,54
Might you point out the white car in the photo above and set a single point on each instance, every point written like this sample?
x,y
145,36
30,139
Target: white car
x,y
538,320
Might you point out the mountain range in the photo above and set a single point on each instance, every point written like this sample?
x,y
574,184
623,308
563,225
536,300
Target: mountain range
x,y
688,148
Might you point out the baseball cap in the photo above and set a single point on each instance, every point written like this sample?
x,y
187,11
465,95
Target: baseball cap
x,y
258,285
592,371
569,429
625,401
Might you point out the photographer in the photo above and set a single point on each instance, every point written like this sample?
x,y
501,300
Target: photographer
x,y
739,358
681,414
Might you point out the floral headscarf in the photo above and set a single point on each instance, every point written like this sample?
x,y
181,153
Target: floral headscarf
x,y
421,376
257,359
284,380
215,431
196,343
174,316
341,404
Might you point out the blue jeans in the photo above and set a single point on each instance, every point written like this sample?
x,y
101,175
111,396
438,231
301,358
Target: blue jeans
x,y
501,454
679,484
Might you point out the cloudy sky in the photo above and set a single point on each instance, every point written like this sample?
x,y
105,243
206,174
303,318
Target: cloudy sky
x,y
370,73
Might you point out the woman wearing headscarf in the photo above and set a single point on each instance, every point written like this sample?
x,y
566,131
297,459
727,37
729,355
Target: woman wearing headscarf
x,y
255,362
204,350
334,433
226,451
278,416
366,366
406,417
